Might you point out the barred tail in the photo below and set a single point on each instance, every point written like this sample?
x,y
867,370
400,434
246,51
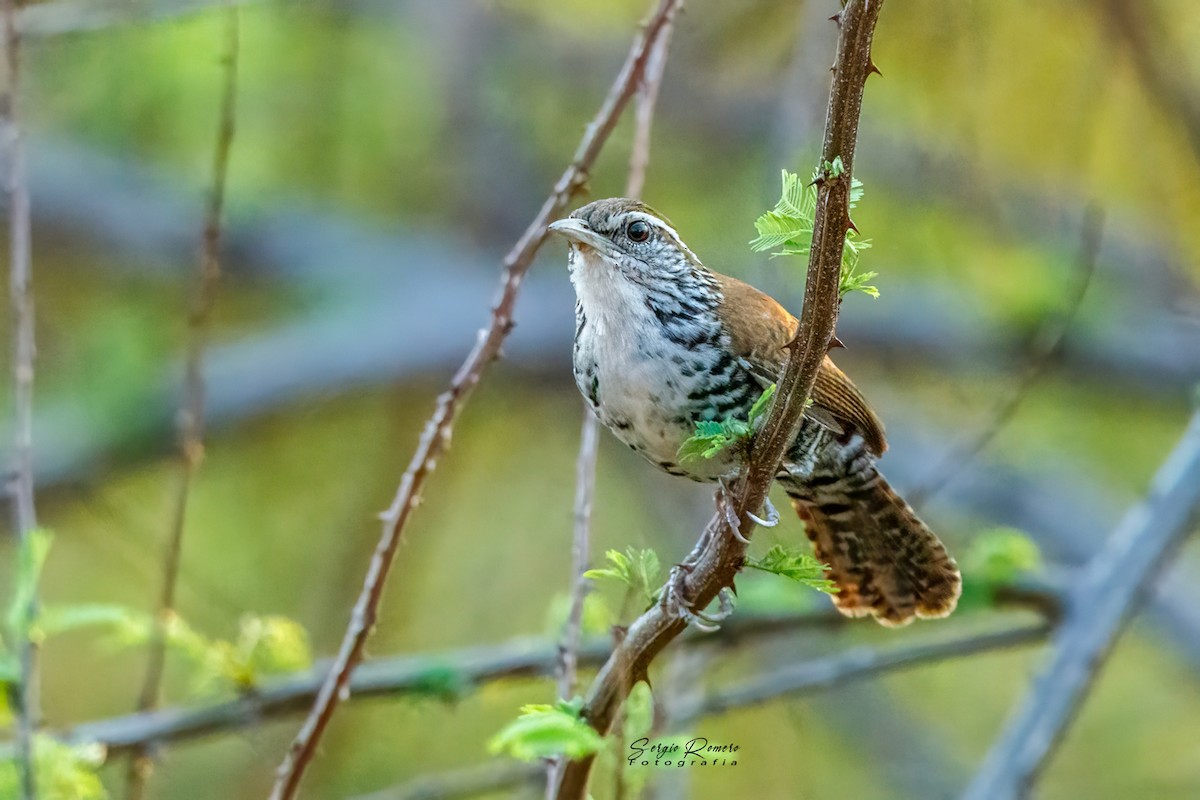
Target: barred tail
x,y
883,558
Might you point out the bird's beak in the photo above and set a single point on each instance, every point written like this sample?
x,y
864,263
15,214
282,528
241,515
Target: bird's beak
x,y
578,232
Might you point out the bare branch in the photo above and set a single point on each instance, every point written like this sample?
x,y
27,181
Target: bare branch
x,y
857,664
448,675
436,438
718,556
1113,584
191,414
480,779
78,16
23,696
589,440
1046,346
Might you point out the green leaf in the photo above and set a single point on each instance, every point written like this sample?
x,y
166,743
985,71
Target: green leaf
x,y
761,405
798,566
30,559
637,569
54,620
712,437
64,772
547,731
1002,555
789,227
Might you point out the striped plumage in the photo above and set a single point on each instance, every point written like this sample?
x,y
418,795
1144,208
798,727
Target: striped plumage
x,y
662,342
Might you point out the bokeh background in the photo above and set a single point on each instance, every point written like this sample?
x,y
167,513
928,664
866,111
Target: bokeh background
x,y
388,153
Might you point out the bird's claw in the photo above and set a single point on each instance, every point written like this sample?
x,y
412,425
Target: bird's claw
x,y
724,501
772,515
676,603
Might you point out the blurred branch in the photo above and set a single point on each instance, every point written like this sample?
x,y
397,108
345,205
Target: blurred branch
x,y
191,412
857,664
449,676
1046,345
437,433
589,440
23,696
488,778
78,16
719,554
1097,610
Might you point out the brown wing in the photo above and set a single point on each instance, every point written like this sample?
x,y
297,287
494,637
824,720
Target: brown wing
x,y
759,330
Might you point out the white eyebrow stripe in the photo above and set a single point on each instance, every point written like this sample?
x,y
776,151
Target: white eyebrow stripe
x,y
663,226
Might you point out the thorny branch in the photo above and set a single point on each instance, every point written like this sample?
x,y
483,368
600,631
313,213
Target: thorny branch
x,y
718,556
23,696
191,413
436,437
1113,584
589,439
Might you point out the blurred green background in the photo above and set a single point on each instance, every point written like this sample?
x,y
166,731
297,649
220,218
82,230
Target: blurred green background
x,y
387,154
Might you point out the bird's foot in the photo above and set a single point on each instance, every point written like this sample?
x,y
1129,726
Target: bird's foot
x,y
725,503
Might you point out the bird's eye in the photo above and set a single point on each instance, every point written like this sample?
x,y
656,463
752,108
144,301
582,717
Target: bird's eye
x,y
638,231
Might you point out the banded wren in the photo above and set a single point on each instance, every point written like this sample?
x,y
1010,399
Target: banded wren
x,y
662,342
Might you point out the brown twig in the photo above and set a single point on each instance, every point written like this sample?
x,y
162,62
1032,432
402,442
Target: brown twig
x,y
1105,596
24,696
1045,347
719,555
191,413
589,439
436,437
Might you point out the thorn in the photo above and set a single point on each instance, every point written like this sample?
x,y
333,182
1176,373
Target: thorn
x,y
837,19
850,224
834,341
872,68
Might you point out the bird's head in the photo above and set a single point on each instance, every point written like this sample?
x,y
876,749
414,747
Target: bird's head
x,y
622,238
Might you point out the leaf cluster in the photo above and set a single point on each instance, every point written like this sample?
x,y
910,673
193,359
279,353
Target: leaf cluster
x,y
997,558
637,569
712,437
63,772
789,227
548,731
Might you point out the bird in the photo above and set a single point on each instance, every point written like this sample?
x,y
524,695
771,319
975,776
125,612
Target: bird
x,y
663,342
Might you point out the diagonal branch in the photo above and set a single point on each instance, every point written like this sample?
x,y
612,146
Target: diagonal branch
x,y
1046,346
589,438
24,695
718,556
191,413
1114,583
436,437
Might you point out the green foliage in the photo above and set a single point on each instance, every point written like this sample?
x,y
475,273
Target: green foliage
x,y
442,682
996,558
789,226
547,731
796,565
711,437
637,569
18,624
64,772
265,646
